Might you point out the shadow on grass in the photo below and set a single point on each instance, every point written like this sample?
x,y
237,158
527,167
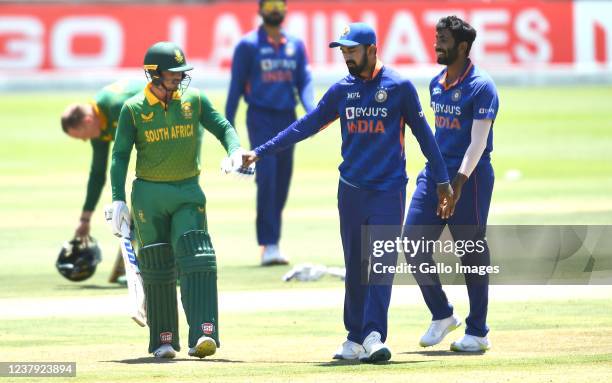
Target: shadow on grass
x,y
91,287
442,353
152,360
339,363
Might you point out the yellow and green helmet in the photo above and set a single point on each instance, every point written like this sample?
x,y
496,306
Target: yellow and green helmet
x,y
164,56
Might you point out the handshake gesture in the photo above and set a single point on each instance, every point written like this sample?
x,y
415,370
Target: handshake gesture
x,y
234,165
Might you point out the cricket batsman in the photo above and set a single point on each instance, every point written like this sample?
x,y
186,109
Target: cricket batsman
x,y
269,69
96,121
465,103
166,124
374,103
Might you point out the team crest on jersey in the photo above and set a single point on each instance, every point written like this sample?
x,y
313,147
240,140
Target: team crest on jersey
x,y
381,95
146,117
456,96
165,337
208,328
186,109
290,49
178,56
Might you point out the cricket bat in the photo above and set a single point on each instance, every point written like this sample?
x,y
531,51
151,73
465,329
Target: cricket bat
x,y
136,295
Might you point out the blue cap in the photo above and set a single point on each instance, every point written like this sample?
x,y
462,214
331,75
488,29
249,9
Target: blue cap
x,y
355,34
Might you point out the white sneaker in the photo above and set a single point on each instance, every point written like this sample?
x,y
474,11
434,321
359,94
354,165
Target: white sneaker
x,y
471,343
164,351
374,350
438,329
206,346
349,350
272,256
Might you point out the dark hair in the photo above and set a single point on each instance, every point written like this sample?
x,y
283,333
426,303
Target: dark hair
x,y
460,30
73,118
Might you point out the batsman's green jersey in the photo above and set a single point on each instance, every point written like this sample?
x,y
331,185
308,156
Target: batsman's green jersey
x,y
107,105
168,208
168,138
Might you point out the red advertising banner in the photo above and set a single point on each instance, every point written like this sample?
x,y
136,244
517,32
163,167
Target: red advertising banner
x,y
517,33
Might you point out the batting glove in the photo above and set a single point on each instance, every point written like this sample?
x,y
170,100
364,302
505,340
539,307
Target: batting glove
x,y
119,215
233,164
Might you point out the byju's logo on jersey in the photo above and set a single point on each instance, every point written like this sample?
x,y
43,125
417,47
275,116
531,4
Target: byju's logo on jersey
x,y
381,95
350,113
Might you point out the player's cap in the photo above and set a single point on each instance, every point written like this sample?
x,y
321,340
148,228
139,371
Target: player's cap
x,y
355,34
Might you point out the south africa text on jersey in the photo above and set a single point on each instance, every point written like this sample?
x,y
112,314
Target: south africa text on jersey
x,y
172,133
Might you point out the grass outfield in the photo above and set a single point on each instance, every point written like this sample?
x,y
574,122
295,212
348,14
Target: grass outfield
x,y
533,342
553,165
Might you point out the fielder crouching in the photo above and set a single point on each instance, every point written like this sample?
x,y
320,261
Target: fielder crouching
x,y
166,123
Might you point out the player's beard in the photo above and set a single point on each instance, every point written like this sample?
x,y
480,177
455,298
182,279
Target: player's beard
x,y
273,19
356,69
449,57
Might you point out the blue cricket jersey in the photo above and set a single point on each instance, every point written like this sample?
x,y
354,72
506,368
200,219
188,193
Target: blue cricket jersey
x,y
373,114
472,97
268,74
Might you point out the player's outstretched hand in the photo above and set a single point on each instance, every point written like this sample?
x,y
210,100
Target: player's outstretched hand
x,y
233,164
446,201
249,158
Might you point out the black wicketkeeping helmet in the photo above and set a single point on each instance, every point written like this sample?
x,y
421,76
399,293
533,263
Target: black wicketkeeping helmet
x,y
77,261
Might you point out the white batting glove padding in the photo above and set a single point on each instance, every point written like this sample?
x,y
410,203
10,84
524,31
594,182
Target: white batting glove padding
x,y
120,222
233,165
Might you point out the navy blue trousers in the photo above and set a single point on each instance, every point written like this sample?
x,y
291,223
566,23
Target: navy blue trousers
x,y
366,305
273,173
468,223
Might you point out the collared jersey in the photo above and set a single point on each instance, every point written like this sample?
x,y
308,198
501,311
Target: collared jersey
x,y
373,114
168,138
268,74
107,105
472,97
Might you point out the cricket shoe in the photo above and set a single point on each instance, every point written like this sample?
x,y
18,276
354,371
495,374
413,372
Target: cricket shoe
x,y
374,350
206,346
165,351
471,343
271,256
349,350
438,329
